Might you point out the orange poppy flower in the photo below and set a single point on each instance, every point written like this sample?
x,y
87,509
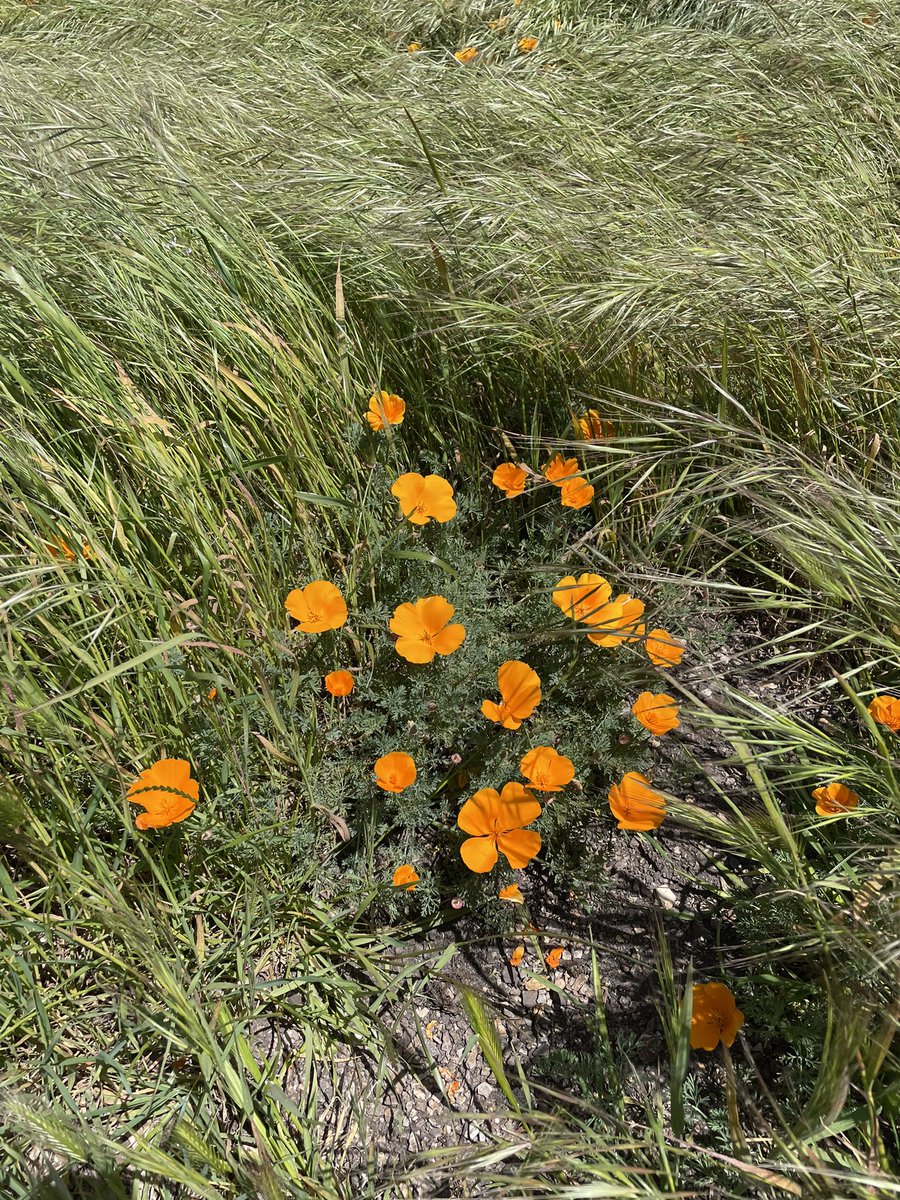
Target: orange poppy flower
x,y
663,650
339,683
58,547
617,622
166,791
512,893
715,1017
510,479
635,804
553,957
658,713
517,955
520,689
886,709
424,498
546,770
576,493
559,469
593,428
422,629
834,800
405,876
583,599
318,606
395,772
496,820
212,693
385,408
526,44
466,54
413,47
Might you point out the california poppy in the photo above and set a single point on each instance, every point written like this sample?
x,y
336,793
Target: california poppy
x,y
576,493
166,791
658,713
58,547
616,622
385,408
559,469
590,600
715,1017
886,709
496,821
834,800
466,54
635,804
212,693
546,770
553,957
339,683
317,607
422,629
510,479
593,428
395,772
405,876
526,44
413,47
513,893
517,955
424,498
583,598
662,649
520,689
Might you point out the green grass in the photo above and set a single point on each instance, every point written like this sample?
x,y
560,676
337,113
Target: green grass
x,y
219,229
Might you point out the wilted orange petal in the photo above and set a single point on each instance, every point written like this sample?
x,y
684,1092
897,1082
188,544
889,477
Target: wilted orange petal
x,y
517,955
512,893
554,957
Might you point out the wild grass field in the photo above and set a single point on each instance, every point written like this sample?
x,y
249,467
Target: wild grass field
x,y
223,228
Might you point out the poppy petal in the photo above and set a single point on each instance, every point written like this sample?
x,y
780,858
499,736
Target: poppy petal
x,y
517,807
414,650
433,613
479,854
449,639
519,846
480,812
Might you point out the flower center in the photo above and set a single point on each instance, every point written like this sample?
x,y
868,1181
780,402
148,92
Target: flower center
x,y
313,615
